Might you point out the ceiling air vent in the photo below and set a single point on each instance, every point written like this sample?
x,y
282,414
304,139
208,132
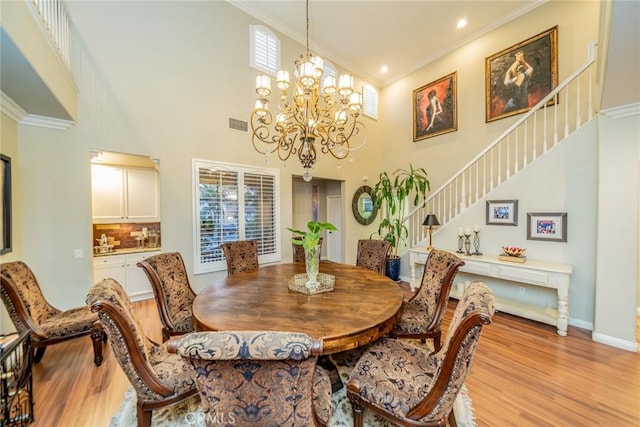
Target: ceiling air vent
x,y
238,124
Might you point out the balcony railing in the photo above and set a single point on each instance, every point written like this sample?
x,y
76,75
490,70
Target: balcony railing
x,y
55,21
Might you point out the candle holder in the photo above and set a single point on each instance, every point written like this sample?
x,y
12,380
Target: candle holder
x,y
476,243
467,243
460,244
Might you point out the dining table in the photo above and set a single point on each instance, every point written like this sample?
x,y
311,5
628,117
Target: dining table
x,y
362,307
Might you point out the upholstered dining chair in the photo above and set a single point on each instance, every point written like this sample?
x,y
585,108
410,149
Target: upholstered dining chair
x,y
259,378
372,254
298,250
423,313
173,293
29,310
159,378
241,255
408,386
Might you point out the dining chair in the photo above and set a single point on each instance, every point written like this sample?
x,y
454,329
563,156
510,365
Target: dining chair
x,y
159,378
241,255
410,386
298,250
372,254
423,313
173,293
260,378
29,310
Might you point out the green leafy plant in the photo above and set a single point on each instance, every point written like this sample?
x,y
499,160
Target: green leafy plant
x,y
392,193
311,238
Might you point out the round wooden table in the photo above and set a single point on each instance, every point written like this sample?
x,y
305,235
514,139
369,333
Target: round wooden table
x,y
363,306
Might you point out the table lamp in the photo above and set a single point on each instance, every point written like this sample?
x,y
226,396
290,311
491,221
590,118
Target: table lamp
x,y
431,222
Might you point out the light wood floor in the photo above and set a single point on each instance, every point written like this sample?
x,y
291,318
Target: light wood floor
x,y
523,374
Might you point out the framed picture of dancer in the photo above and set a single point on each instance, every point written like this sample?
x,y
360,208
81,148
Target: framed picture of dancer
x,y
435,108
518,77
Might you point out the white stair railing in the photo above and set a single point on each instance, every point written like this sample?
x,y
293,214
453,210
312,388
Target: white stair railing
x,y
53,16
563,111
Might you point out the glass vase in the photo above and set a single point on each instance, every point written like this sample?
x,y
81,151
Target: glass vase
x,y
312,264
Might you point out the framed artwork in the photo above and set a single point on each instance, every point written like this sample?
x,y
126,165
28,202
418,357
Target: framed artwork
x,y
518,77
435,110
502,212
547,226
5,196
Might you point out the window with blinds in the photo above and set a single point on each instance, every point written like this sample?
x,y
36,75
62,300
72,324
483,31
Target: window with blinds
x,y
234,202
370,101
265,50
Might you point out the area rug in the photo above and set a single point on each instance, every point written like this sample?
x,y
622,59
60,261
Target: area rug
x,y
189,413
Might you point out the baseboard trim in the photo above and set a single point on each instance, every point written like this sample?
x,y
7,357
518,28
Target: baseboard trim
x,y
615,342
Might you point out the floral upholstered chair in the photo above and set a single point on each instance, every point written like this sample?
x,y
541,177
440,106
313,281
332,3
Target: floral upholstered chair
x,y
158,377
372,254
259,378
423,313
408,386
241,255
173,293
29,310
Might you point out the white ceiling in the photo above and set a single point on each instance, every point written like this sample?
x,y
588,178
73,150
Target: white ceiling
x,y
404,35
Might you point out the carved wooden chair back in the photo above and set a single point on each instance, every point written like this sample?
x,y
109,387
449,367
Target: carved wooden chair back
x,y
372,254
173,293
259,377
29,310
425,391
423,313
158,377
241,255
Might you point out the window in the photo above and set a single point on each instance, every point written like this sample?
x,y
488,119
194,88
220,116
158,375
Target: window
x,y
265,50
328,70
234,202
370,101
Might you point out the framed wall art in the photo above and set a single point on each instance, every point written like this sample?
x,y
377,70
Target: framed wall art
x,y
5,196
518,77
502,212
435,108
547,226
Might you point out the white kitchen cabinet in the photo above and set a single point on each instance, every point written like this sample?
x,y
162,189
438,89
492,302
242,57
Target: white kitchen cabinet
x,y
124,194
124,270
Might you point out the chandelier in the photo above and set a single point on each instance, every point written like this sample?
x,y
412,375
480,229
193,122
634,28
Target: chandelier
x,y
320,116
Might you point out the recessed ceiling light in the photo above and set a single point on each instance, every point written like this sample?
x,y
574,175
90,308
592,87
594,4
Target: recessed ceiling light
x,y
462,23
384,69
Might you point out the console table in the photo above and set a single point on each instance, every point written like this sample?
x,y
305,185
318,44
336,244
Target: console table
x,y
537,273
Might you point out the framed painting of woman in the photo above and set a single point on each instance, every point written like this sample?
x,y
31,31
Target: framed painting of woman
x,y
435,108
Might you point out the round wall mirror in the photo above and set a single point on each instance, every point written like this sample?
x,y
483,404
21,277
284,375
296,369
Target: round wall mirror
x,y
363,205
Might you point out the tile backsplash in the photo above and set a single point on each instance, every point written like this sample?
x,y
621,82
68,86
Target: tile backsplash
x,y
120,237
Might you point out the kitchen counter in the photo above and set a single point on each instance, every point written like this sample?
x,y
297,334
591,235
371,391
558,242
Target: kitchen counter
x,y
126,251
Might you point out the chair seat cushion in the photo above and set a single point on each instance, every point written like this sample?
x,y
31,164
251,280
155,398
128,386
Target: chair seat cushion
x,y
413,320
322,394
394,375
68,323
171,368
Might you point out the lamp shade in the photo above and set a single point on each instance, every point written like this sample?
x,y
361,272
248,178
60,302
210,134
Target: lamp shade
x,y
431,221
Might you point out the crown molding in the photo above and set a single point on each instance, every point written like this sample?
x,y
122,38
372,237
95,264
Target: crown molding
x,y
15,112
622,111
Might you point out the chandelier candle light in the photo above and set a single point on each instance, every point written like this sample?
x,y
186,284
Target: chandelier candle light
x,y
321,115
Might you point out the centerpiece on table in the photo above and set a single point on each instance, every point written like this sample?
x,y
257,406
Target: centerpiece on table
x,y
313,281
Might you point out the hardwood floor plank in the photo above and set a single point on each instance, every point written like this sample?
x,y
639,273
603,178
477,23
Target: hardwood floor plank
x,y
523,374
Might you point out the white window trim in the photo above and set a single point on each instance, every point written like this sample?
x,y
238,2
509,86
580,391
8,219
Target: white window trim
x,y
367,91
197,164
253,29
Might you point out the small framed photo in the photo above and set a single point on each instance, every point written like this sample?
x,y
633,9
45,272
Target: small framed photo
x,y
435,108
502,212
547,226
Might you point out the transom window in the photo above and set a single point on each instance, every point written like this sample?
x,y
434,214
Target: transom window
x,y
370,101
265,49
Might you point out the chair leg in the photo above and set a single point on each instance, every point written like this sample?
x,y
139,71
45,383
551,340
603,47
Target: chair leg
x,y
436,343
165,335
39,353
144,417
452,419
97,337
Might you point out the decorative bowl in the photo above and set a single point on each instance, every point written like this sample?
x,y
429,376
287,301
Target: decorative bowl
x,y
513,250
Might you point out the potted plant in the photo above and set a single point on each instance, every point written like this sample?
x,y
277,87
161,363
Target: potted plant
x,y
391,195
310,242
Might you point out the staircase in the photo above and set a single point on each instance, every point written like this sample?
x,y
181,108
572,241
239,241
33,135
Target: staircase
x,y
558,115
